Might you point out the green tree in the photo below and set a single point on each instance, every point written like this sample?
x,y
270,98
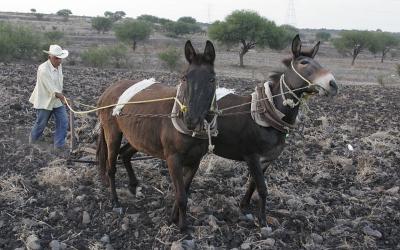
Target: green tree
x,y
132,31
181,28
101,24
115,16
65,13
187,19
153,19
323,36
248,29
278,37
382,42
353,42
33,10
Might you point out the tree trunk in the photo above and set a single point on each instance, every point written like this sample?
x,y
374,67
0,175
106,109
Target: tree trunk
x,y
134,45
384,52
241,54
356,51
354,58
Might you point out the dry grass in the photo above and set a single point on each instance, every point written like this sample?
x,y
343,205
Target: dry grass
x,y
381,140
13,188
58,176
366,168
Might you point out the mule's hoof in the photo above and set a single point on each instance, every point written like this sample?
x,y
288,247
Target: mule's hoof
x,y
173,220
117,210
244,204
262,222
184,229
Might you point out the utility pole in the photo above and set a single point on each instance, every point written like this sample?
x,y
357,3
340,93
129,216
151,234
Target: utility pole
x,y
291,14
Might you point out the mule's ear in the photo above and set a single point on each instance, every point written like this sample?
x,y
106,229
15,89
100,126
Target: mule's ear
x,y
315,49
209,52
190,53
296,46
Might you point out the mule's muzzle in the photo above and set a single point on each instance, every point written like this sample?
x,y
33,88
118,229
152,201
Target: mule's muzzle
x,y
191,123
333,88
326,85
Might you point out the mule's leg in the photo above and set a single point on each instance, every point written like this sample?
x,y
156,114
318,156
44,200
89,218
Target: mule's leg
x,y
175,169
189,173
126,152
257,173
113,138
245,202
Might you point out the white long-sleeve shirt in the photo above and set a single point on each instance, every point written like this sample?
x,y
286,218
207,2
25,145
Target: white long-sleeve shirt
x,y
49,81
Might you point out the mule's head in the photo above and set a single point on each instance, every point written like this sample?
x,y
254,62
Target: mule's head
x,y
307,74
198,84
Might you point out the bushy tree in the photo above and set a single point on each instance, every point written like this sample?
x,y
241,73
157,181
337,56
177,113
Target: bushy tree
x,y
353,42
115,16
278,37
180,28
187,19
65,13
382,42
132,31
102,24
248,29
153,19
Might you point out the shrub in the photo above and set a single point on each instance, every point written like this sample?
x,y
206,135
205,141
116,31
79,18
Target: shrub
x,y
105,55
170,57
18,42
118,55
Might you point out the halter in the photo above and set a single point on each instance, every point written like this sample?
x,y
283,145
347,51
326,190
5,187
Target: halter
x,y
208,129
282,82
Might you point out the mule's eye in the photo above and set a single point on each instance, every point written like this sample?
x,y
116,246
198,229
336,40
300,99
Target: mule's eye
x,y
212,80
183,79
304,62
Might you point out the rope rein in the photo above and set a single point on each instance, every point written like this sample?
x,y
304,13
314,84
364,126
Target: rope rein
x,y
183,108
220,112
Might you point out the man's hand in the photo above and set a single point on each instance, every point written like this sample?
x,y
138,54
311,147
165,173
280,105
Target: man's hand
x,y
61,97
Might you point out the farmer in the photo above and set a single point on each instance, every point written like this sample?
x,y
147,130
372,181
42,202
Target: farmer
x,y
47,98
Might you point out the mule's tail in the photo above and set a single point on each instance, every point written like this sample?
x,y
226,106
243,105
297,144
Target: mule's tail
x,y
102,156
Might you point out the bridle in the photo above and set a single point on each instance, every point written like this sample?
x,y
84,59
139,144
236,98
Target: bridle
x,y
282,83
208,128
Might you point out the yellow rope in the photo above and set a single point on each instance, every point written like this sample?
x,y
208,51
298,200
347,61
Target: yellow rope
x,y
182,106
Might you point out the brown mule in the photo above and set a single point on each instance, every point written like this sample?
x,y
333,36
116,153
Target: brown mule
x,y
157,136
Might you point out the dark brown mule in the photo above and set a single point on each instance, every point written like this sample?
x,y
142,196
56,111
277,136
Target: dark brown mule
x,y
157,136
240,138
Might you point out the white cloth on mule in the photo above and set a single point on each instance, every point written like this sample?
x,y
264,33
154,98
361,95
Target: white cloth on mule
x,y
222,92
130,92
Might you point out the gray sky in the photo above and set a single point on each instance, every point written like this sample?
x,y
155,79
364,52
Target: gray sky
x,y
333,14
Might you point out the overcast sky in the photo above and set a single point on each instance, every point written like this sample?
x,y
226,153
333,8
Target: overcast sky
x,y
332,14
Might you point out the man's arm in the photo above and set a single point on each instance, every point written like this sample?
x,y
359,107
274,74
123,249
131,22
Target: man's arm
x,y
60,96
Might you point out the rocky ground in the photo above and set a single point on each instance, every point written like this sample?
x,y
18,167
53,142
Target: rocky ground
x,y
335,186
